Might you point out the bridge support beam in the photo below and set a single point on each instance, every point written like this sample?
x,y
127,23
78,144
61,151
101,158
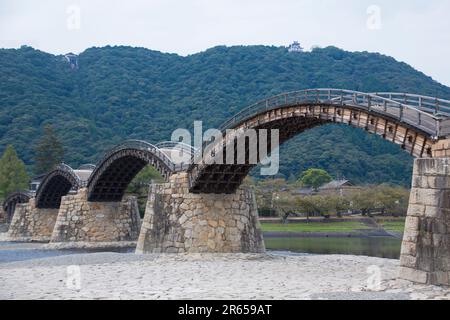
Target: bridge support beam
x,y
425,256
177,221
30,223
82,221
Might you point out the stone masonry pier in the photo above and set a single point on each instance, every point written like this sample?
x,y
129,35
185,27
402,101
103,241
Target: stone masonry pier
x,y
2,216
82,221
177,221
30,223
425,256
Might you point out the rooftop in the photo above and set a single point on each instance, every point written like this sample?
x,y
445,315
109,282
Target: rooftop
x,y
336,184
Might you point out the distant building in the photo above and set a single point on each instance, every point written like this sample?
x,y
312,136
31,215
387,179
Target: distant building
x,y
83,172
295,47
72,59
303,192
336,187
336,184
35,183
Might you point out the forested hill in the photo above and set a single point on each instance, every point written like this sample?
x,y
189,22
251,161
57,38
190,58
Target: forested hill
x,y
120,93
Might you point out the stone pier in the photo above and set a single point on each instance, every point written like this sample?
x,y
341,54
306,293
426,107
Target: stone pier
x,y
177,221
82,221
30,223
425,256
3,218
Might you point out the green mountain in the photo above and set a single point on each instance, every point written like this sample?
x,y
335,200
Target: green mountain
x,y
120,93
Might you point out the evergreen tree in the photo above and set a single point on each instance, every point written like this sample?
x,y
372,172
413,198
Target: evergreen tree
x,y
13,175
49,151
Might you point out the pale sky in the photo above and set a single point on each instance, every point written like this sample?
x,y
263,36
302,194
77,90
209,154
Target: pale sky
x,y
414,31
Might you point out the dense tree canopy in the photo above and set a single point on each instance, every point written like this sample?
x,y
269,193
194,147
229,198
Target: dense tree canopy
x,y
123,93
140,184
13,176
315,178
49,151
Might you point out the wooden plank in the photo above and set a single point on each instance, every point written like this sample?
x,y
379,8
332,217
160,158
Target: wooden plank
x,y
414,143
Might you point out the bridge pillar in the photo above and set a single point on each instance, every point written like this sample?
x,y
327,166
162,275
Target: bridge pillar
x,y
177,221
30,223
425,256
3,218
441,149
82,221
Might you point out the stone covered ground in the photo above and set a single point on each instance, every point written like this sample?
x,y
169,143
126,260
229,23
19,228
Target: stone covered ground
x,y
221,276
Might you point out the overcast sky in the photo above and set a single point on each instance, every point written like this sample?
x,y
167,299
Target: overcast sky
x,y
413,31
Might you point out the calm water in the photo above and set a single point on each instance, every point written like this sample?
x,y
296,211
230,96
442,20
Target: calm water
x,y
374,247
12,252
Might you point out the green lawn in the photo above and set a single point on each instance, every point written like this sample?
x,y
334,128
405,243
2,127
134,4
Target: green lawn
x,y
393,226
313,227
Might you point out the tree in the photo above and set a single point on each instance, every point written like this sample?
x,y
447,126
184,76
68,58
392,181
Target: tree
x,y
385,198
49,151
140,184
284,205
143,179
392,199
13,175
338,204
365,200
315,178
307,205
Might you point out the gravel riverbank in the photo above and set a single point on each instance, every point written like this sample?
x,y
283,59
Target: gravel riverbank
x,y
227,276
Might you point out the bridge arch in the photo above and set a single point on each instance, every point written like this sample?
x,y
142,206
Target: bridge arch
x,y
121,164
414,122
58,183
13,199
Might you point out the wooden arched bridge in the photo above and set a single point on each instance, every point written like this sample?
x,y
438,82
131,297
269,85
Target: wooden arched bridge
x,y
58,183
414,122
13,199
202,207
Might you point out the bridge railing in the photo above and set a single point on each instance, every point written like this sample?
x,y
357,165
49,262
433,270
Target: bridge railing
x,y
423,117
144,145
64,168
172,145
87,166
424,103
67,168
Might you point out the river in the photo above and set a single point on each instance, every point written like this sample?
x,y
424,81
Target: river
x,y
382,247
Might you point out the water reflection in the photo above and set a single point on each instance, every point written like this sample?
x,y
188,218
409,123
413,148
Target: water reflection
x,y
374,247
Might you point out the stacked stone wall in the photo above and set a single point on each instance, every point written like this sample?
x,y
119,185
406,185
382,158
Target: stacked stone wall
x,y
3,218
82,221
441,149
177,221
32,224
425,256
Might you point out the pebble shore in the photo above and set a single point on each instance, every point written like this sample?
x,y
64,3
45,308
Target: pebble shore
x,y
205,276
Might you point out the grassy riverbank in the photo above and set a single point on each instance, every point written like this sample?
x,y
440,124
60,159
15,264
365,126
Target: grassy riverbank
x,y
315,227
335,226
397,226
